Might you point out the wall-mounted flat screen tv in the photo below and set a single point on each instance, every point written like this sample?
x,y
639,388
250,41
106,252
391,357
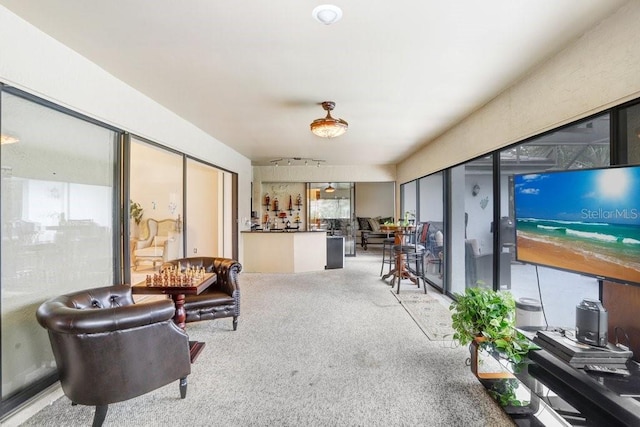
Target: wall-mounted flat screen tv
x,y
581,220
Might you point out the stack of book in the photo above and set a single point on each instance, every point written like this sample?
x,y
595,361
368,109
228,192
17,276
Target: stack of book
x,y
563,345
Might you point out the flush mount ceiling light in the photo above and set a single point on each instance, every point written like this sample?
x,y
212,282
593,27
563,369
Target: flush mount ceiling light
x,y
329,189
327,14
328,127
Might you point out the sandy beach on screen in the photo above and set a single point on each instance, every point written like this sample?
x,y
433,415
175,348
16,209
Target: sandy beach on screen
x,y
565,257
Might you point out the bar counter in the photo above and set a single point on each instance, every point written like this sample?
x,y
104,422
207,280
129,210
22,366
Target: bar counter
x,y
284,252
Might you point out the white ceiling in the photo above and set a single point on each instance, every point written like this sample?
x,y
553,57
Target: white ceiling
x,y
252,73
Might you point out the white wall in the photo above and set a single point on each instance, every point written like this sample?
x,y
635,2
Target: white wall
x,y
375,199
38,64
601,69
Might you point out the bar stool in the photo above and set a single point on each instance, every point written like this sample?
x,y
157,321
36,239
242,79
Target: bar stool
x,y
410,251
387,254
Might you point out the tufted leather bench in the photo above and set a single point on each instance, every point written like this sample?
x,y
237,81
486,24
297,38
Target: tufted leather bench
x,y
219,300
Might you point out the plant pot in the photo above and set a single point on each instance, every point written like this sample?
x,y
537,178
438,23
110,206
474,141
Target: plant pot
x,y
473,348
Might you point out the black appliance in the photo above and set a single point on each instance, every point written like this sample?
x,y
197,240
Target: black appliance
x,y
592,321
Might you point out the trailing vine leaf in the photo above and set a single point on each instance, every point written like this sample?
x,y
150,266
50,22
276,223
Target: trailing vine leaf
x,y
486,313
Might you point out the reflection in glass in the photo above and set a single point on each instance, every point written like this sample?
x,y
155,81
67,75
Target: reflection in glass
x,y
156,185
630,134
582,145
472,225
333,211
431,212
57,225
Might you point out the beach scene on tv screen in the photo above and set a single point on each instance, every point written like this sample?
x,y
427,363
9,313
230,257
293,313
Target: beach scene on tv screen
x,y
586,221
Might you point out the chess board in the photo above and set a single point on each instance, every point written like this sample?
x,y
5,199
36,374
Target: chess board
x,y
194,285
174,277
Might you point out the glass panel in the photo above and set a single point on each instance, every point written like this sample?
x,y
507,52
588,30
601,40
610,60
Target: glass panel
x,y
204,232
330,210
431,211
57,225
408,199
583,145
471,225
630,133
352,227
156,186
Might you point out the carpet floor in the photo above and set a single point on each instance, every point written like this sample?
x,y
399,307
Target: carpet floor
x,y
330,348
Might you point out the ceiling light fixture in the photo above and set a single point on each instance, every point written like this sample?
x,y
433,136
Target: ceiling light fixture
x,y
329,189
328,127
327,14
296,161
7,139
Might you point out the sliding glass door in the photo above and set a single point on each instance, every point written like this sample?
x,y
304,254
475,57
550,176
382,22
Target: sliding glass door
x,y
208,211
58,198
156,188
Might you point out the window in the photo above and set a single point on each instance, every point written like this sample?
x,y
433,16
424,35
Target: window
x,y
582,145
431,211
57,225
471,238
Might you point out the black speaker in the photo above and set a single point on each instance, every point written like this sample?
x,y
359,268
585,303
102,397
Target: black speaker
x,y
592,321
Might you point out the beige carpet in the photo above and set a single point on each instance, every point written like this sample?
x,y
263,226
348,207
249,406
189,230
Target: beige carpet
x,y
321,349
429,313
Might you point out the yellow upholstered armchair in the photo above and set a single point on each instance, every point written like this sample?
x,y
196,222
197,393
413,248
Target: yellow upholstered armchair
x,y
154,246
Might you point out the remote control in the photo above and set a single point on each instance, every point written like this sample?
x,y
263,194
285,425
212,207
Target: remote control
x,y
606,370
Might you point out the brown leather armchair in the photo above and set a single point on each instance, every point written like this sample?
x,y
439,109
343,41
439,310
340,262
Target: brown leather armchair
x,y
108,349
219,300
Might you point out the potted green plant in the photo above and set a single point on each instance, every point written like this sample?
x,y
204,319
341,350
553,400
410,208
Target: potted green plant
x,y
486,318
135,211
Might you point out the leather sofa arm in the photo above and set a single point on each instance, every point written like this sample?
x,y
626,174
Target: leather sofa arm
x,y
58,316
227,270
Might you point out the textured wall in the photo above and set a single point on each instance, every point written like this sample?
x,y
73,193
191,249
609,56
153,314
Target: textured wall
x,y
599,70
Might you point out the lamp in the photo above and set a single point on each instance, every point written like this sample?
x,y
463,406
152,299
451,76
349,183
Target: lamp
x,y
327,14
328,127
296,161
329,189
8,139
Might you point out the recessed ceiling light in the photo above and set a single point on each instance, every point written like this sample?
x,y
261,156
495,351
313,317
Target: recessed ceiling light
x,y
327,14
